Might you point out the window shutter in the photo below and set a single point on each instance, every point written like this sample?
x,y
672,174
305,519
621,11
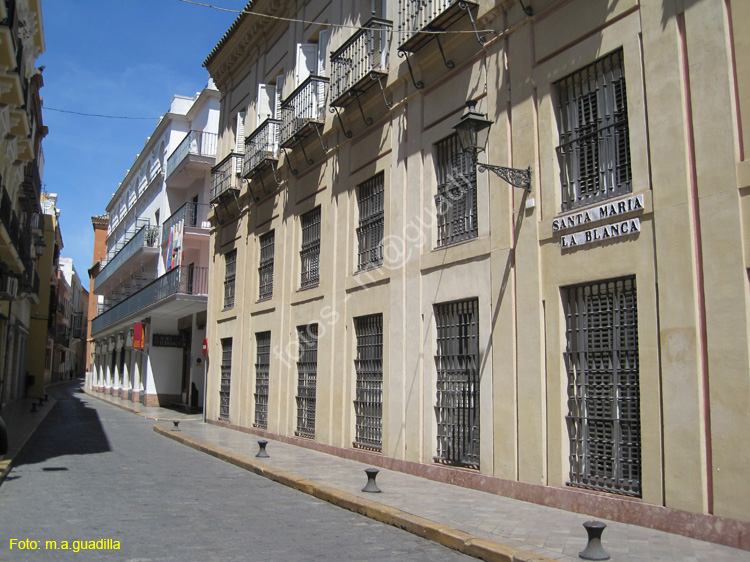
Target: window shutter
x,y
306,63
378,9
240,133
263,107
322,52
279,95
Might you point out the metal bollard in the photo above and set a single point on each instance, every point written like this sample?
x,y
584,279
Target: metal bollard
x,y
371,486
176,425
594,549
262,449
33,407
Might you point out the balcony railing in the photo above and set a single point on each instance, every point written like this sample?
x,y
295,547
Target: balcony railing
x,y
356,64
194,215
225,175
261,145
185,280
418,16
306,106
198,143
145,237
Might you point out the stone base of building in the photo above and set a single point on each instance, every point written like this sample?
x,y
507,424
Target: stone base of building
x,y
633,511
160,400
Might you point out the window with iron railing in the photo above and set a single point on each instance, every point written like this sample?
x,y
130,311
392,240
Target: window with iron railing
x,y
226,378
358,62
456,198
265,269
594,149
601,361
262,371
370,198
224,176
307,373
368,402
310,253
303,109
261,145
230,273
457,364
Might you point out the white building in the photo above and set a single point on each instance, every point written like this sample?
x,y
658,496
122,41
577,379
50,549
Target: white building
x,y
153,280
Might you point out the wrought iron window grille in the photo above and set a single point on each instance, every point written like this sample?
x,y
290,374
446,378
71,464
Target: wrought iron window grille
x,y
602,365
310,252
307,372
370,199
226,378
456,199
368,402
458,383
594,149
230,274
265,268
262,376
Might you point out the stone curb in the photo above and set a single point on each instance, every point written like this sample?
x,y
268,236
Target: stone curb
x,y
445,535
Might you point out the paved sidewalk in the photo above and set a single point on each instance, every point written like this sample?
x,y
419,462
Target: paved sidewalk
x,y
485,525
21,422
449,510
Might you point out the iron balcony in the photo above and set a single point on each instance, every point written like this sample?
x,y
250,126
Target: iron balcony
x,y
303,111
225,175
418,17
182,283
262,147
356,65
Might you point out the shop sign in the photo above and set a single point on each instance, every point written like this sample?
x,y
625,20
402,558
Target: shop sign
x,y
599,213
138,337
615,230
168,340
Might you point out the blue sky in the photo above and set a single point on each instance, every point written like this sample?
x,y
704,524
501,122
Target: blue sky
x,y
121,58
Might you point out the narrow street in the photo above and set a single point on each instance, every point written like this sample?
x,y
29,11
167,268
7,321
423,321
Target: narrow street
x,y
94,472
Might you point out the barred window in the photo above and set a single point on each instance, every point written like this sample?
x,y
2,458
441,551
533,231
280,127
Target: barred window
x,y
307,374
368,403
457,363
265,270
230,260
262,370
370,196
310,254
226,378
456,198
601,360
594,150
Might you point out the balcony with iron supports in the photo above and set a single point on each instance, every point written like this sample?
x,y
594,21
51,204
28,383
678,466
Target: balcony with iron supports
x,y
10,252
262,154
142,246
179,292
194,223
225,178
303,113
358,65
192,158
422,21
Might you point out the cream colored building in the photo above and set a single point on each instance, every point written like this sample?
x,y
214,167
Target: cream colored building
x,y
583,344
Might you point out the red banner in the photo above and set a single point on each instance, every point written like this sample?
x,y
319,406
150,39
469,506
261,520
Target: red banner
x,y
138,339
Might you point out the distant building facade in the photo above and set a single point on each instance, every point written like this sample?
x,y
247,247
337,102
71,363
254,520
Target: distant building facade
x,y
378,295
152,284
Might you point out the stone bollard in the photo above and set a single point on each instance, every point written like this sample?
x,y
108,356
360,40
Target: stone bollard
x,y
176,425
371,486
262,454
594,549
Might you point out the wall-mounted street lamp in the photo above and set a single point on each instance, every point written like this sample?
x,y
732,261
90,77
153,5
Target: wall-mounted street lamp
x,y
39,246
473,131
